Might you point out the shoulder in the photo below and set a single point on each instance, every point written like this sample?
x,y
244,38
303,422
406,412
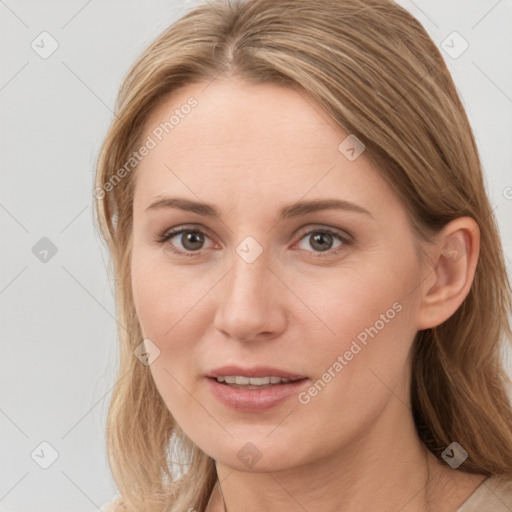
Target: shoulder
x,y
493,495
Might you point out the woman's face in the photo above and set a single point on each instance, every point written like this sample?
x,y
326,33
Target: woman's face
x,y
270,283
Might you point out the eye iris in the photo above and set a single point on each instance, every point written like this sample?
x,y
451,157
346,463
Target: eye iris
x,y
318,238
192,237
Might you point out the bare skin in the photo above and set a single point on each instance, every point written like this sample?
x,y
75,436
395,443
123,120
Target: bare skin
x,y
249,150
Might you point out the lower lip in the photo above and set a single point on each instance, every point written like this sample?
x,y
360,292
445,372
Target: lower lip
x,y
254,400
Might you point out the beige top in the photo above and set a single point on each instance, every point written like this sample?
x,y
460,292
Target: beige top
x,y
492,495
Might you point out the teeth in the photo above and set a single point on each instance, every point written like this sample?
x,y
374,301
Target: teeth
x,y
251,381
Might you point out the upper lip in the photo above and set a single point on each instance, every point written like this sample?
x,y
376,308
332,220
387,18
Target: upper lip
x,y
255,371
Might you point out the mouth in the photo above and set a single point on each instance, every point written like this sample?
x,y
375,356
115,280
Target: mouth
x,y
243,382
258,377
254,390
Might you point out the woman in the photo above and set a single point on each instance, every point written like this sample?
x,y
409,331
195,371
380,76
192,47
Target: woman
x,y
310,283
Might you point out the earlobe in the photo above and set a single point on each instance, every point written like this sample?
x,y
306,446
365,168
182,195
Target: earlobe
x,y
454,258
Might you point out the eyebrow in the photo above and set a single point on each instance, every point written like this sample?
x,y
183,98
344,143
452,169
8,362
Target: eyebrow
x,y
289,211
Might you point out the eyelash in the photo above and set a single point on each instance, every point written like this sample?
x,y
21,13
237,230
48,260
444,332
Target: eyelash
x,y
167,235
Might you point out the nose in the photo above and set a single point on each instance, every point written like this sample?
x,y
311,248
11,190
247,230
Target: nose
x,y
251,302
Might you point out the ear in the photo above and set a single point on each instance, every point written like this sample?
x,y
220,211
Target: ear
x,y
449,275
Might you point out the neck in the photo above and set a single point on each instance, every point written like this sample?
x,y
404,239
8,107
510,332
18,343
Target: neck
x,y
385,468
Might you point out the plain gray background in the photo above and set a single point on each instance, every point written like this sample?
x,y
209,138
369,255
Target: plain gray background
x,y
58,331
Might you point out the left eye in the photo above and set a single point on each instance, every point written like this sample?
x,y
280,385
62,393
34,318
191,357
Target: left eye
x,y
193,239
323,239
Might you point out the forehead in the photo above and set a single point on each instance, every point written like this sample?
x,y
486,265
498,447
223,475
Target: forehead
x,y
246,123
251,142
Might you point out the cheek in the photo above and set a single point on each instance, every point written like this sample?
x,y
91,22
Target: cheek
x,y
168,309
355,368
171,306
161,295
361,330
347,302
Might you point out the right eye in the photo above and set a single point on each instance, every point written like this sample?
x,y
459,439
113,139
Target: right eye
x,y
191,240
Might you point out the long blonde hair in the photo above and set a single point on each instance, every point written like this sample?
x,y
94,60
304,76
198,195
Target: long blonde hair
x,y
373,68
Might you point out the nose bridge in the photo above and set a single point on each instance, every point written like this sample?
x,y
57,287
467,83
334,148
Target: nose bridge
x,y
250,261
248,282
249,303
